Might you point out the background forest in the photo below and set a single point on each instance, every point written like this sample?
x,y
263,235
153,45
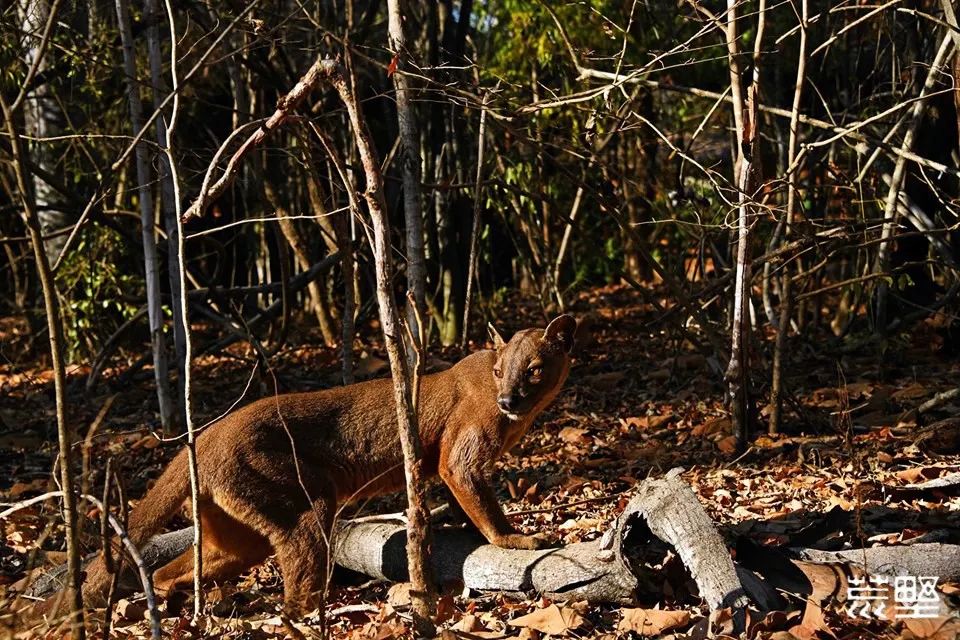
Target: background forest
x,y
753,206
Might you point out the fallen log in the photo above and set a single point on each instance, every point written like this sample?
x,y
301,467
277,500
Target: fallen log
x,y
597,571
921,559
160,550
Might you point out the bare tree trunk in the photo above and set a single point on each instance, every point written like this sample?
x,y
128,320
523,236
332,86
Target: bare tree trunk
x,y
55,333
736,376
341,228
410,161
786,304
150,260
180,269
418,525
167,191
42,118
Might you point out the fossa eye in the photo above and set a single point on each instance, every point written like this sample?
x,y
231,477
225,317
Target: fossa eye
x,y
534,372
497,372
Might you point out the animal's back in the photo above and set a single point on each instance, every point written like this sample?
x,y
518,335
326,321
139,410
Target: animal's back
x,y
350,433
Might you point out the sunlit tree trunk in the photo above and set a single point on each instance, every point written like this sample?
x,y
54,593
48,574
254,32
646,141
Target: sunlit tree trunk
x,y
167,191
418,521
410,162
42,119
786,303
145,198
745,115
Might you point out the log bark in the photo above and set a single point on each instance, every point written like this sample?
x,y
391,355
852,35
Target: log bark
x,y
923,559
674,515
595,571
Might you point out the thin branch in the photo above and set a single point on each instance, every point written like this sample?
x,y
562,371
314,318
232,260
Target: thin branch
x,y
285,108
475,227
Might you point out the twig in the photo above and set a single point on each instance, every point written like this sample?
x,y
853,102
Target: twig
x,y
38,57
88,442
137,560
475,228
115,580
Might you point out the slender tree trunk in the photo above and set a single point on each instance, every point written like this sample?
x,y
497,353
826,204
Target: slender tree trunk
x,y
418,525
55,333
167,191
786,303
342,226
410,162
745,115
150,259
292,235
342,230
42,118
178,256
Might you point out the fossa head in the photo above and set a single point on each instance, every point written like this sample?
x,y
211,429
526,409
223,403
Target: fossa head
x,y
532,366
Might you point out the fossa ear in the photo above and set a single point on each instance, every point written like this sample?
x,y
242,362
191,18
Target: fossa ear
x,y
561,331
498,341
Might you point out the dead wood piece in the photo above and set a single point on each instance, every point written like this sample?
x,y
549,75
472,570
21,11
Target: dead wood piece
x,y
159,551
581,571
923,559
940,437
949,481
674,515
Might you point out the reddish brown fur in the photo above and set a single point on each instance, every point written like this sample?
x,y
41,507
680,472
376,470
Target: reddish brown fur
x,y
256,500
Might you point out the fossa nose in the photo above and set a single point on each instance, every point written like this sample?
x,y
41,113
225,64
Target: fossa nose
x,y
507,402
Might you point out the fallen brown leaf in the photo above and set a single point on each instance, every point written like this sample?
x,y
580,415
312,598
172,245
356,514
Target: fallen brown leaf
x,y
652,622
553,620
940,628
574,435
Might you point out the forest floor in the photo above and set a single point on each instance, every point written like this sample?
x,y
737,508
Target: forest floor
x,y
639,401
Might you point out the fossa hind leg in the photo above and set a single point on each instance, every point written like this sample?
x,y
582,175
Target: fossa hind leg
x,y
303,557
229,549
293,508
